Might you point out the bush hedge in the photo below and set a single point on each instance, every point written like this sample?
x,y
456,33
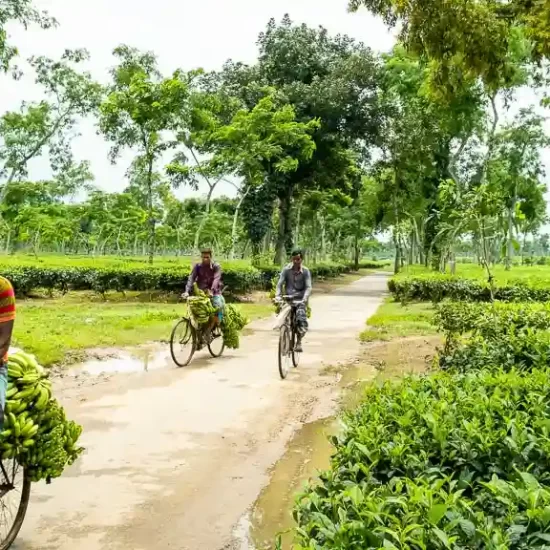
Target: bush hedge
x,y
134,276
445,461
436,287
499,335
490,320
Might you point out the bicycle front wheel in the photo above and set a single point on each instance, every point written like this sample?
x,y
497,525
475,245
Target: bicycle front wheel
x,y
284,351
15,492
183,343
295,354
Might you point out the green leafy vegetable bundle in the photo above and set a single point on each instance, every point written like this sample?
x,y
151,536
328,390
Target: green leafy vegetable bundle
x,y
36,431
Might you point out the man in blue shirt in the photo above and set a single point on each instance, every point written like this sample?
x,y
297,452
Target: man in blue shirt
x,y
296,280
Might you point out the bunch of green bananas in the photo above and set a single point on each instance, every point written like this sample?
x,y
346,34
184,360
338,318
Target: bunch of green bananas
x,y
200,306
233,322
276,305
36,431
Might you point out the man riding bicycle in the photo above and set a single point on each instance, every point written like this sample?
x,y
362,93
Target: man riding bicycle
x,y
208,276
296,279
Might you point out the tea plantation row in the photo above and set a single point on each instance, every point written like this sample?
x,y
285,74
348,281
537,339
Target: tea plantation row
x,y
459,458
141,277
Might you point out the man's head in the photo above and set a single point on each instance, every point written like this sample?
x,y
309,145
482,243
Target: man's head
x,y
297,257
206,256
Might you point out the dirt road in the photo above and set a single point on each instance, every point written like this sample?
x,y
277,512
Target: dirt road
x,y
176,456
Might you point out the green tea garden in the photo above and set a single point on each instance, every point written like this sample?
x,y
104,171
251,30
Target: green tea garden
x,y
457,457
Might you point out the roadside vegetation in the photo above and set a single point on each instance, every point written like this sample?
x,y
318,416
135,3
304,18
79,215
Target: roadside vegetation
x,y
456,456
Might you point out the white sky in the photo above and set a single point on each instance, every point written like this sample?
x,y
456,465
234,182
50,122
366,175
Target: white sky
x,y
183,34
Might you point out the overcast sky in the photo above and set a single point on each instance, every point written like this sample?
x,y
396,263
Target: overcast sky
x,y
183,34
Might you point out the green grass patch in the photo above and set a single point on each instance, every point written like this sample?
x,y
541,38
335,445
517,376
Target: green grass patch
x,y
62,329
392,320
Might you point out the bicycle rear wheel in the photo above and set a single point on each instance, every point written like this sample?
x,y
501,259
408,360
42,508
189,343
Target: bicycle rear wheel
x,y
15,491
183,343
217,343
284,351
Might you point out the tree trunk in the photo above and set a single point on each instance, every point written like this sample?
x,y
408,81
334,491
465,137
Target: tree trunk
x,y
235,223
298,216
397,260
204,218
150,216
323,238
284,237
510,244
356,252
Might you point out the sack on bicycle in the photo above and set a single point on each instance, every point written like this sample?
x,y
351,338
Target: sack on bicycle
x,y
281,318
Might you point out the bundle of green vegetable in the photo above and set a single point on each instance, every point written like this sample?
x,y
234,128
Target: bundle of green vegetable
x,y
200,306
233,322
277,306
36,431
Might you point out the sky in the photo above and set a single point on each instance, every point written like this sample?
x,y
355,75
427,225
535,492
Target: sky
x,y
183,34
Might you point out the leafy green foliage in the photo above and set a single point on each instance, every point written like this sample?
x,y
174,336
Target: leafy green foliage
x,y
437,462
233,323
139,109
499,335
103,275
436,287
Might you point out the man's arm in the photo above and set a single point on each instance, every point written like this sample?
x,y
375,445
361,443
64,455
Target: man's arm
x,y
280,283
307,277
216,281
191,280
6,331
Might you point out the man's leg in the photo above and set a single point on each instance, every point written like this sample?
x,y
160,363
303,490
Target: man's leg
x,y
219,303
302,324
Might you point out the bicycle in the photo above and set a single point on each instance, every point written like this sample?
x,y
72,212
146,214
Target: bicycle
x,y
15,482
288,337
195,337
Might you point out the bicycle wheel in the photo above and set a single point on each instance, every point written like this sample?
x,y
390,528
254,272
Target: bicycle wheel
x,y
183,343
15,491
284,351
217,343
295,354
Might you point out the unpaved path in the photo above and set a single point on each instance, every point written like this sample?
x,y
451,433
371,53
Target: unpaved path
x,y
176,456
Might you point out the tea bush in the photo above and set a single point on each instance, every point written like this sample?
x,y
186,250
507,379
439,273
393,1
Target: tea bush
x,y
133,275
436,287
504,335
490,320
445,461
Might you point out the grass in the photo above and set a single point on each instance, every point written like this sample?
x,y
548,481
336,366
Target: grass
x,y
392,320
60,330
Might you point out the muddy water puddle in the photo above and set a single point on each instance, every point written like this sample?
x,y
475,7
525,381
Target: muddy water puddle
x,y
121,361
307,454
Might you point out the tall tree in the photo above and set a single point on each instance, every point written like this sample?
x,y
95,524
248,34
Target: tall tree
x,y
24,13
49,125
140,110
332,79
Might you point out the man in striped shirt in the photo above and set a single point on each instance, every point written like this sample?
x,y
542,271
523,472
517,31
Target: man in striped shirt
x,y
7,319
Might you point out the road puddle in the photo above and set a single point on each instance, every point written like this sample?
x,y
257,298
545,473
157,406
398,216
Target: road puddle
x,y
308,453
125,361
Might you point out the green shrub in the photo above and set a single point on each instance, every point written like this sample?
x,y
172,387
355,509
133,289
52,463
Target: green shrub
x,y
436,287
81,274
502,335
438,462
490,320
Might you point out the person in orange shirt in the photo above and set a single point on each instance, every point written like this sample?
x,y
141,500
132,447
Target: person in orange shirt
x,y
7,320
